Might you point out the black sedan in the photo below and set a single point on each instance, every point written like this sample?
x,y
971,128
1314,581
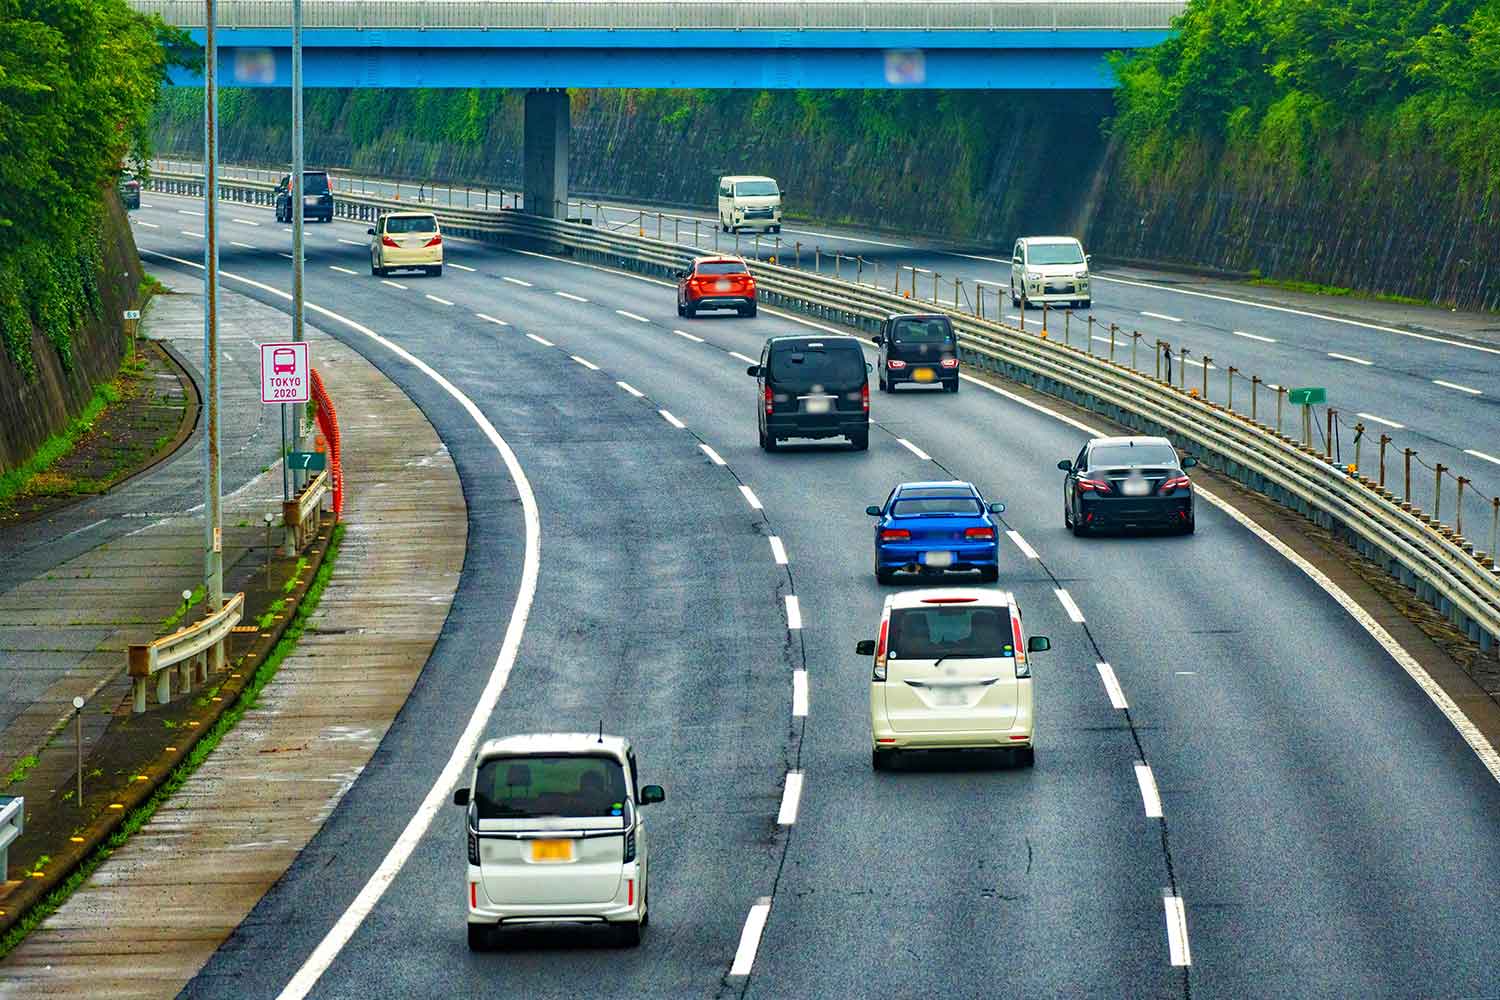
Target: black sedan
x,y
1127,482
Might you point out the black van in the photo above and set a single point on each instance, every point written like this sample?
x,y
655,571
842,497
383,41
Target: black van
x,y
918,348
812,387
317,196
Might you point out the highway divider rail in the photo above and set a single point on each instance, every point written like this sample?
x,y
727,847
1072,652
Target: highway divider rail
x,y
189,649
12,825
1429,557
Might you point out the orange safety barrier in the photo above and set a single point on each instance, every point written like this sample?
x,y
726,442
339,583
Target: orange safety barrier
x,y
328,423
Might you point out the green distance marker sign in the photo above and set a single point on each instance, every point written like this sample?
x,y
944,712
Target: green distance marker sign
x,y
311,461
1307,396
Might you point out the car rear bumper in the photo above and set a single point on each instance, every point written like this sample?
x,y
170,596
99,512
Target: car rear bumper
x,y
1141,512
817,426
911,555
419,257
722,302
909,375
626,906
885,738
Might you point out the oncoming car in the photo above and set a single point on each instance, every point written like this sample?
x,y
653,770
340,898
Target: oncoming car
x,y
406,240
1050,269
1127,482
951,671
716,283
936,527
555,835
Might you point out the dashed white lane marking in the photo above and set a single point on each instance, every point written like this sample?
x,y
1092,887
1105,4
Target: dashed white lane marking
x,y
1345,357
1455,385
148,225
247,246
631,315
1022,544
755,924
144,205
290,257
189,232
689,336
1253,336
631,389
585,362
516,281
491,319
1066,600
747,360
1169,319
541,340
778,551
1150,797
1112,686
287,231
799,693
1484,455
751,498
352,243
341,270
247,222
463,267
570,296
713,456
393,284
667,416
791,795
914,450
1177,934
189,211
793,612
1381,420
1106,340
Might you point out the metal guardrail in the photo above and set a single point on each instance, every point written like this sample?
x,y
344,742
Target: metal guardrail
x,y
189,649
12,825
302,512
1425,555
672,15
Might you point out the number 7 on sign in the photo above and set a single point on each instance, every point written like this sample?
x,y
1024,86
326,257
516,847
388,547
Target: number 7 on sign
x,y
284,373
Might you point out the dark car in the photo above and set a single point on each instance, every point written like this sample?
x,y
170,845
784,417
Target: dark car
x,y
920,349
317,196
936,527
1127,482
130,192
715,283
812,387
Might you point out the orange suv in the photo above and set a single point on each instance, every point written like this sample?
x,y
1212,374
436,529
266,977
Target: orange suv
x,y
716,283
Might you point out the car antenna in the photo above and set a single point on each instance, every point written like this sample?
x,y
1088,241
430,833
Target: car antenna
x,y
601,730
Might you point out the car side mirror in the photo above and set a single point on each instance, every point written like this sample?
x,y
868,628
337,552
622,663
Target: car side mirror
x,y
1065,465
997,508
869,368
878,339
1038,644
652,794
865,647
369,232
873,510
1088,258
460,796
753,371
1189,462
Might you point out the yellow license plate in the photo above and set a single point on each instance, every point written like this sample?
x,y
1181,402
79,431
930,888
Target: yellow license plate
x,y
923,375
551,850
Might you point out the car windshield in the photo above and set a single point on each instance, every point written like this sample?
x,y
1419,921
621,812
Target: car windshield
x,y
314,183
721,267
936,505
532,787
1055,253
755,188
411,224
950,630
817,363
1125,454
922,331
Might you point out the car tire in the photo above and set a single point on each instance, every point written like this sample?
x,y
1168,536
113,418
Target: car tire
x,y
768,441
680,310
1014,299
1026,757
989,574
951,385
1087,304
690,311
1079,528
1067,517
880,761
883,575
1190,526
749,311
628,934
775,229
436,271
481,937
860,440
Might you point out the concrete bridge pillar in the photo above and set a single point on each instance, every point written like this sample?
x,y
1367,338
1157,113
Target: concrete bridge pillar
x,y
544,161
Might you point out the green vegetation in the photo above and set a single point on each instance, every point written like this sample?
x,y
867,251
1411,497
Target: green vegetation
x,y
1314,288
196,597
22,768
29,476
266,620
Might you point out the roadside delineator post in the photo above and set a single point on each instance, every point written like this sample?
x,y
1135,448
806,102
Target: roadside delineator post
x,y
1407,494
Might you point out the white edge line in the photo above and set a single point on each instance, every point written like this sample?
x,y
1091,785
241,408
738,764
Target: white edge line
x,y
1455,385
1177,935
1112,686
541,340
689,336
713,456
1484,455
1066,600
755,923
585,362
778,551
791,795
915,450
799,693
148,225
1022,544
630,389
667,416
793,612
751,498
631,315
463,267
1150,797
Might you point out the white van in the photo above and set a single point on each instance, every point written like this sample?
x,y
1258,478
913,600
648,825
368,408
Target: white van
x,y
749,203
951,671
1051,269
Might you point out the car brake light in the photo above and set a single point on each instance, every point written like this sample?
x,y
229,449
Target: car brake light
x,y
386,241
1022,668
864,397
630,846
979,534
950,362
895,535
436,241
768,399
895,364
474,895
1098,485
1176,483
878,672
949,600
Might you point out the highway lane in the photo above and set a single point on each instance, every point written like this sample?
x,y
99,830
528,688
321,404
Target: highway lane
x,y
1098,875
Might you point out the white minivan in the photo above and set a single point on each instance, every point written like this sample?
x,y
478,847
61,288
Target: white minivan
x,y
555,835
1051,269
749,203
951,671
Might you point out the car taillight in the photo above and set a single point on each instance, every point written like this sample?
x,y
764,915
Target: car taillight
x,y
436,241
979,534
864,397
473,848
895,364
768,400
386,241
895,535
1097,485
950,362
877,673
630,846
1023,669
1176,483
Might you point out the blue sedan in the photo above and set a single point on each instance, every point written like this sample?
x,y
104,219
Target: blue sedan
x,y
936,528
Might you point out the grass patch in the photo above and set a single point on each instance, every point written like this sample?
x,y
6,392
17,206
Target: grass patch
x,y
179,776
1338,291
58,445
23,766
291,583
265,620
177,616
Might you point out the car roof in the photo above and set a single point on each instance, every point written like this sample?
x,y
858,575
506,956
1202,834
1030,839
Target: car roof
x,y
1135,440
921,316
984,598
805,338
555,743
1049,239
958,486
726,258
745,177
407,214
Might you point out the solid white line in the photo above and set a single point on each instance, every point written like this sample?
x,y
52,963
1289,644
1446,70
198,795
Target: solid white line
x,y
1455,385
189,211
1022,544
671,419
791,795
541,340
148,225
748,361
915,450
440,793
1483,455
751,498
689,336
570,295
247,246
793,612
1169,319
247,222
631,389
1345,357
799,693
755,923
585,362
1066,599
516,281
713,456
462,267
1253,336
1381,420
352,243
393,284
631,315
1150,797
341,270
491,319
1177,935
1112,686
778,551
187,232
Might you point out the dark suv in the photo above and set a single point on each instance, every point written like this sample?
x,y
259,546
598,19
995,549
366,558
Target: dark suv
x,y
920,349
1127,482
317,196
812,387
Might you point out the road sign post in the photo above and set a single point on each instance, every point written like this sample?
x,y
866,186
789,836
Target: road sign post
x,y
1307,397
285,379
298,194
213,558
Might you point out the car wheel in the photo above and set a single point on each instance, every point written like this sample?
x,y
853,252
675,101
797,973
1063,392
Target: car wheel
x,y
481,937
775,229
1087,304
1014,299
1079,528
989,574
1067,517
749,311
436,271
1026,757
768,441
680,310
629,934
951,385
880,761
883,575
860,440
690,311
1192,523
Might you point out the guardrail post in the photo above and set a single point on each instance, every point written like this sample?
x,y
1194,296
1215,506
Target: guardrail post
x,y
736,242
1328,434
1280,398
817,259
1162,350
1458,518
838,266
1254,397
1407,494
957,283
1495,533
1384,440
1182,356
1206,362
1359,436
658,234
1045,311
935,278
1229,394
1437,497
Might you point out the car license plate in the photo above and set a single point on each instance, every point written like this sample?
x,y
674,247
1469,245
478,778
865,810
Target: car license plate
x,y
816,405
923,375
721,286
937,558
951,694
551,850
1135,487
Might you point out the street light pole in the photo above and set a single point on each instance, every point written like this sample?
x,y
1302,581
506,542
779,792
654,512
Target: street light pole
x,y
213,555
298,192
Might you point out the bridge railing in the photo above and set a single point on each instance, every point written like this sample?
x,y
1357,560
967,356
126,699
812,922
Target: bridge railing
x,y
772,15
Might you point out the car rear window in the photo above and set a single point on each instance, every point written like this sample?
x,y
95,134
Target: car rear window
x,y
411,224
755,188
315,183
935,505
950,630
820,362
1125,454
722,267
1055,253
531,787
922,331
